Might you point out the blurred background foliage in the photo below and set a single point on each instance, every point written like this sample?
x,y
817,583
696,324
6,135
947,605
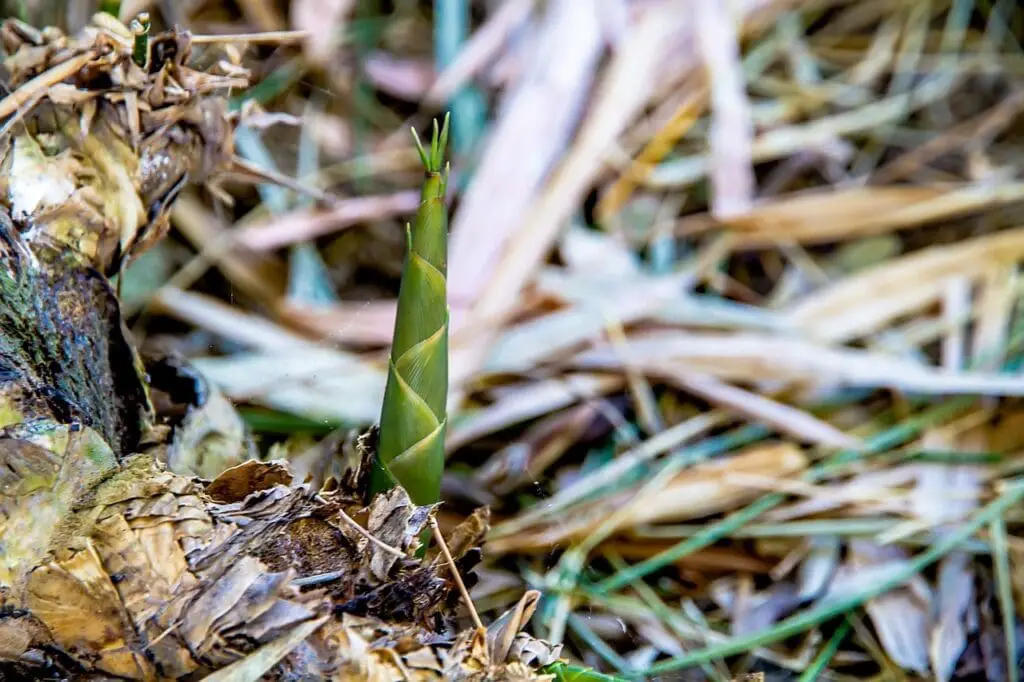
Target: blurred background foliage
x,y
736,309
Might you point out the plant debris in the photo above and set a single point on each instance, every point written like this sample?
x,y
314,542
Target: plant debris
x,y
112,563
735,323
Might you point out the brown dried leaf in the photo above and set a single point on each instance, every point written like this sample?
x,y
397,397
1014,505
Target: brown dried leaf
x,y
716,486
470,533
872,299
469,657
502,632
237,483
396,522
255,665
42,486
82,610
816,217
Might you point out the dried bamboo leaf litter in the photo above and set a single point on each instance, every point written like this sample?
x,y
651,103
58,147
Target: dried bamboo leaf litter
x,y
629,322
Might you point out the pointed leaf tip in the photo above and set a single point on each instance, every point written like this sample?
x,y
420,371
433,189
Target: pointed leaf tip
x,y
433,146
419,149
433,161
444,139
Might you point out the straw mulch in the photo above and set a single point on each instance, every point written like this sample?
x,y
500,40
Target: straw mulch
x,y
737,322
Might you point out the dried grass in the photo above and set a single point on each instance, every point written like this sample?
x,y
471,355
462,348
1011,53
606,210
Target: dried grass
x,y
807,241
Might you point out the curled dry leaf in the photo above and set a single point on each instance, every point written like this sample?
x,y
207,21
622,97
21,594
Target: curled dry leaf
x,y
212,569
501,633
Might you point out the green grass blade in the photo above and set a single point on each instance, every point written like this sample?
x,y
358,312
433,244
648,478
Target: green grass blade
x,y
598,645
824,656
565,672
721,529
1012,495
1004,590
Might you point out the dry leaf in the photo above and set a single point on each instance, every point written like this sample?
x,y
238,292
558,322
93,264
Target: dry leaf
x,y
901,619
820,216
955,597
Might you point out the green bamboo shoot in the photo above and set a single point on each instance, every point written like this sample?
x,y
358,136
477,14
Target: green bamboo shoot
x,y
413,417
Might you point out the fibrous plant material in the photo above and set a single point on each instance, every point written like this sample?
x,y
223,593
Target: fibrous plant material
x,y
111,565
413,417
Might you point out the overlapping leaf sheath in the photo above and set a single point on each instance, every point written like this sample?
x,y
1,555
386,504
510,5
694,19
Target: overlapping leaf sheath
x,y
413,417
